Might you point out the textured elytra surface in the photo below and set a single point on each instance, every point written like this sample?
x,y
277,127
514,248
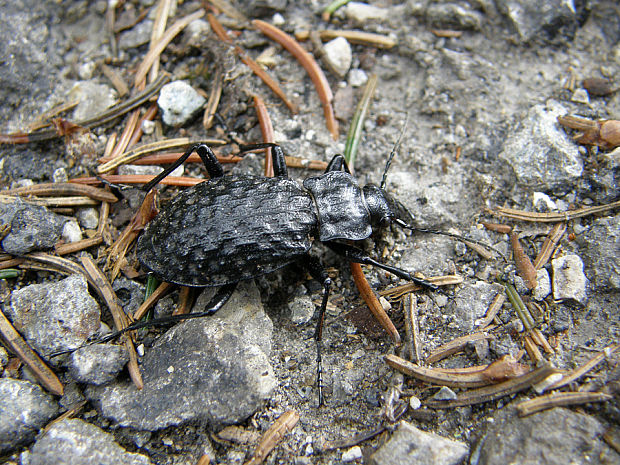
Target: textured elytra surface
x,y
228,229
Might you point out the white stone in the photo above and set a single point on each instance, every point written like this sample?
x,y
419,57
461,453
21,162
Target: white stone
x,y
543,203
71,232
88,218
580,96
357,77
354,453
179,102
338,53
569,280
362,12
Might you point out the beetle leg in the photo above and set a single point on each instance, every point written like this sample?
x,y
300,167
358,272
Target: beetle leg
x,y
220,298
318,272
359,256
279,162
214,168
338,163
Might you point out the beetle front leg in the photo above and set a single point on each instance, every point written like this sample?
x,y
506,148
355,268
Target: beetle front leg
x,y
359,256
214,167
338,163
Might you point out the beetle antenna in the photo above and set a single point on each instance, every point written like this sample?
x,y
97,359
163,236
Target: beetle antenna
x,y
462,239
393,152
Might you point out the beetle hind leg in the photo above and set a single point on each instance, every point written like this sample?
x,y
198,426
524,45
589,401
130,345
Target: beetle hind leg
x,y
220,298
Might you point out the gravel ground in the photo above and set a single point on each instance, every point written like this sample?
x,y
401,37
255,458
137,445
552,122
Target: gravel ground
x,y
478,114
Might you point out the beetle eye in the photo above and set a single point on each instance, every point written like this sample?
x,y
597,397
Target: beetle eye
x,y
385,221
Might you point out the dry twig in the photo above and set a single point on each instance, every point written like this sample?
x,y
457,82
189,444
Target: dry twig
x,y
560,399
490,393
121,321
17,345
273,436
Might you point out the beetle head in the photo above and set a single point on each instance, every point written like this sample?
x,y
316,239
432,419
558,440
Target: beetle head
x,y
383,208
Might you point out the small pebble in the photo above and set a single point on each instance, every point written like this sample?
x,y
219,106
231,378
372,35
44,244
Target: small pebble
x,y
71,232
362,12
569,280
88,218
445,393
60,175
543,203
414,403
543,285
338,53
357,77
547,382
354,453
580,96
179,102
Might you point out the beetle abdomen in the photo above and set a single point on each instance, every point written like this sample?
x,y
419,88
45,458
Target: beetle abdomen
x,y
228,229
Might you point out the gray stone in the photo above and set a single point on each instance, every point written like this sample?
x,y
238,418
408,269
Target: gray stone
x,y
453,15
30,56
212,369
98,363
569,281
338,53
559,435
138,35
179,102
543,285
262,8
540,153
540,21
55,316
31,227
602,252
412,446
472,302
130,294
429,254
4,357
24,409
93,97
76,442
445,393
197,33
301,309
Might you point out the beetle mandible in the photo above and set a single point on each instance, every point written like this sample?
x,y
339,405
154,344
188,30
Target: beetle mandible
x,y
234,228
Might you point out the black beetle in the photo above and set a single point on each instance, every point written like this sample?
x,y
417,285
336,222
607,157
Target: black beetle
x,y
234,228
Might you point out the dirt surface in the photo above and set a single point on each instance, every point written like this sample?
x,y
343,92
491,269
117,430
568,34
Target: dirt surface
x,y
478,119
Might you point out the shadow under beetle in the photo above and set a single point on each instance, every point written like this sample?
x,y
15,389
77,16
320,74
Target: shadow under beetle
x,y
234,228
